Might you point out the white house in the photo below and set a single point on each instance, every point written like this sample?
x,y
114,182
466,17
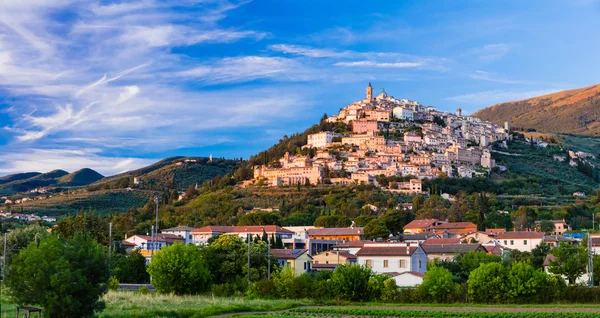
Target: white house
x,y
408,279
392,257
182,231
403,113
523,241
321,139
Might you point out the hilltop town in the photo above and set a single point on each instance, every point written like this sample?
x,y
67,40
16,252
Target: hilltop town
x,y
393,138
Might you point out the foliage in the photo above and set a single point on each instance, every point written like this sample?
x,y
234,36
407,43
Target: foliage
x,y
571,261
113,283
179,269
547,226
260,218
438,284
431,313
351,282
66,278
487,283
20,238
525,284
88,223
332,221
131,269
284,282
375,229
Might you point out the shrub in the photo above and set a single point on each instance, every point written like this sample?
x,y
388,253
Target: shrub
x,y
131,269
179,269
487,283
438,284
66,278
525,284
351,282
303,286
143,290
283,282
264,288
391,291
113,283
376,285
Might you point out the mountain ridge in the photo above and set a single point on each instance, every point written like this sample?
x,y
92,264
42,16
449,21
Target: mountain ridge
x,y
575,111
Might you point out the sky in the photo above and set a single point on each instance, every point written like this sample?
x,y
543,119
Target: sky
x,y
114,86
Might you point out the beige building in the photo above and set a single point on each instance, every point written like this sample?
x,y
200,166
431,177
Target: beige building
x,y
322,139
330,259
297,259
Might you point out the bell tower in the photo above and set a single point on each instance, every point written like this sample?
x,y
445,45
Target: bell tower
x,y
369,92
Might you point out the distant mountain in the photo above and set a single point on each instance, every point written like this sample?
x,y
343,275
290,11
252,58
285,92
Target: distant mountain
x,y
81,177
575,111
38,180
18,176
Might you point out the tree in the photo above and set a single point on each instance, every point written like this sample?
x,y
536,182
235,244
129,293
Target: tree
x,y
539,254
19,238
570,261
66,278
351,282
547,227
363,220
87,223
260,218
438,284
496,220
332,221
375,229
284,282
131,269
191,191
180,269
395,220
525,284
487,283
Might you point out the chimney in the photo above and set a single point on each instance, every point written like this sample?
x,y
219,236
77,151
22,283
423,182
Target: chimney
x,y
408,248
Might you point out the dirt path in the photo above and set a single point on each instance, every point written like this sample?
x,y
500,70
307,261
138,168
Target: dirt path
x,y
448,309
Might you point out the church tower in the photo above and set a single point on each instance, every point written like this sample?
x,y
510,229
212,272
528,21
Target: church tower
x,y
369,92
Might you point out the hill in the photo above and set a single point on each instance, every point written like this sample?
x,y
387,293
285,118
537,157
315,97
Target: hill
x,y
575,111
39,180
18,176
81,177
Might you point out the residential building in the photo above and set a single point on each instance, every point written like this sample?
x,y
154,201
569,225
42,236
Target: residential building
x,y
322,139
393,257
560,226
404,113
147,242
454,229
182,231
408,279
523,241
441,241
330,259
351,247
363,126
323,239
297,259
201,235
299,239
446,252
419,226
479,237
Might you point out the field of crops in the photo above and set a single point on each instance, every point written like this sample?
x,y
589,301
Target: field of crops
x,y
461,312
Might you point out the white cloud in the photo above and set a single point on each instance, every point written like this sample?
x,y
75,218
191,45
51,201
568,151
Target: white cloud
x,y
488,98
492,52
378,64
492,77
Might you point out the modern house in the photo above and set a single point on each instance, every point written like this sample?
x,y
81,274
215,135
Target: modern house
x,y
323,239
297,259
146,242
182,231
299,239
408,279
523,241
393,257
201,235
330,259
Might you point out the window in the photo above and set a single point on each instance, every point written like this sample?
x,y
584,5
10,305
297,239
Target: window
x,y
524,242
304,265
385,263
326,262
512,242
505,242
369,263
402,263
419,264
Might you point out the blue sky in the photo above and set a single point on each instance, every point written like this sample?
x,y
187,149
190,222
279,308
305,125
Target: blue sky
x,y
117,85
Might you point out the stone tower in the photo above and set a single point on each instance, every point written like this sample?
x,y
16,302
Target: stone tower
x,y
458,112
369,91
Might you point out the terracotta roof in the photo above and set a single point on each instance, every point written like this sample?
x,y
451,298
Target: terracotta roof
x,y
495,231
287,253
386,251
548,259
450,248
520,235
336,231
493,249
454,225
126,243
162,237
557,238
595,241
440,241
420,224
242,229
417,236
408,272
352,244
179,228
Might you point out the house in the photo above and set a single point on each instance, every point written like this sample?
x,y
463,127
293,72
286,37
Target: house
x,y
556,240
297,259
492,231
299,239
414,238
447,252
322,239
201,235
441,241
321,139
147,242
560,226
479,237
408,279
182,231
523,241
419,226
455,229
494,248
595,242
393,257
351,247
330,259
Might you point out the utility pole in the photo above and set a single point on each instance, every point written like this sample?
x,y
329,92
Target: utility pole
x,y
156,227
248,238
269,260
590,260
110,247
151,245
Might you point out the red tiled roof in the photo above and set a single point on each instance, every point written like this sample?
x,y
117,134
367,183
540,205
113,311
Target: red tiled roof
x,y
408,272
420,224
549,258
287,253
386,251
242,229
495,231
336,231
455,225
520,235
127,243
440,241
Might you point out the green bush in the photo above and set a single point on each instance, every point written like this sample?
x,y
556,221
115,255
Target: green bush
x,y
438,284
66,278
113,283
143,290
351,282
179,269
487,283
390,291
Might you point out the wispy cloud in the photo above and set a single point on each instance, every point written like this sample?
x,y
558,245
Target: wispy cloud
x,y
488,98
492,52
493,77
378,64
